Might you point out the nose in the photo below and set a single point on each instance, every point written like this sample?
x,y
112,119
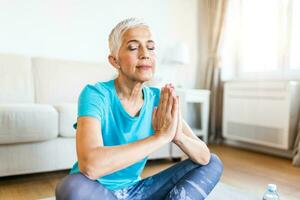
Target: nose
x,y
144,54
144,57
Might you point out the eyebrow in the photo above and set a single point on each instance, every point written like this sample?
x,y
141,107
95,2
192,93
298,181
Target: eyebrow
x,y
149,41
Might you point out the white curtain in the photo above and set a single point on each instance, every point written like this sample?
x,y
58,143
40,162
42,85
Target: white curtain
x,y
296,158
216,15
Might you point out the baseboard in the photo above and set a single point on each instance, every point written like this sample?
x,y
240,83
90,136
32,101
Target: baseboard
x,y
259,148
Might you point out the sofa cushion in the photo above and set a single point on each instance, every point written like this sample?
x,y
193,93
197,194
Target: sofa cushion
x,y
27,123
67,117
59,81
15,79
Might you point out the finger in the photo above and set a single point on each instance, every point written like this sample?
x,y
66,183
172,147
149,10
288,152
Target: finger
x,y
180,119
178,122
160,111
154,113
175,116
161,95
179,110
163,108
168,85
178,101
175,107
170,105
154,118
160,98
173,91
165,101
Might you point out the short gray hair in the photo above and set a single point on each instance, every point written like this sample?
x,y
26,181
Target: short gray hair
x,y
115,37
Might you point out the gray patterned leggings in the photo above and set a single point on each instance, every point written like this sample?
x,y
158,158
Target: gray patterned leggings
x,y
185,180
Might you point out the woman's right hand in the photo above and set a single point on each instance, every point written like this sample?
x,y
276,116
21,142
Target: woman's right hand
x,y
165,116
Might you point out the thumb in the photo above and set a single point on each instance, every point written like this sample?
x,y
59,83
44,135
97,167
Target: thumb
x,y
154,113
153,118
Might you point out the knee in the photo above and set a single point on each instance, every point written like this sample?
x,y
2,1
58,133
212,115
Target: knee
x,y
189,163
213,160
216,163
69,186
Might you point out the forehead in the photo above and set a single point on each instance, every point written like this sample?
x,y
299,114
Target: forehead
x,y
141,34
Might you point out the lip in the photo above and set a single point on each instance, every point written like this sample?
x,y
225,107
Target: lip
x,y
144,66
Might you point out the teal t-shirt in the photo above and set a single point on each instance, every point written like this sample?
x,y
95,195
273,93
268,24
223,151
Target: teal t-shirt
x,y
117,126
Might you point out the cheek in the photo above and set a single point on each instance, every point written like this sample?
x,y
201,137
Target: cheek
x,y
153,57
129,60
153,60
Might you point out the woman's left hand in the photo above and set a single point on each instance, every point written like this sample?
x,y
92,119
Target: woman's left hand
x,y
179,130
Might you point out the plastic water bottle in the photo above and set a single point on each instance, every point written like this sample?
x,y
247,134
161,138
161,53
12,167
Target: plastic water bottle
x,y
271,193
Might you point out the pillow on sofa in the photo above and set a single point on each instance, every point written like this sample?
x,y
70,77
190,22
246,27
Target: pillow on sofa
x,y
61,81
21,123
15,79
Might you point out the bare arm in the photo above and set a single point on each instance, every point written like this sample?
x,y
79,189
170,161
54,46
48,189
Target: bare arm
x,y
96,160
190,144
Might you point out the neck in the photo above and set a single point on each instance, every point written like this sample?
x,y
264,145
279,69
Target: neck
x,y
128,89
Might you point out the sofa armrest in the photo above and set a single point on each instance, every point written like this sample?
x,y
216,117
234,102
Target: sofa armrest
x,y
27,123
67,117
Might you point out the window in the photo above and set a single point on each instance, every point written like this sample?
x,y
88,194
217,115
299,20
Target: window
x,y
261,39
295,35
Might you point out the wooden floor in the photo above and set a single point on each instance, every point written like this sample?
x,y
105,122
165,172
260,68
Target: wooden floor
x,y
252,172
243,169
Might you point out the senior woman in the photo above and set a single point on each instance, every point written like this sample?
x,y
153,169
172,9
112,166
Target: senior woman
x,y
120,122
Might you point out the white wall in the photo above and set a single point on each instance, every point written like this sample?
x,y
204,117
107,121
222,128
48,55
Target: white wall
x,y
78,30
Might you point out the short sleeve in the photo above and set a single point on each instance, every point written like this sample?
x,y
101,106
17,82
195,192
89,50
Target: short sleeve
x,y
91,103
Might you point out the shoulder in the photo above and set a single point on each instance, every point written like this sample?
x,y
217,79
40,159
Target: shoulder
x,y
99,89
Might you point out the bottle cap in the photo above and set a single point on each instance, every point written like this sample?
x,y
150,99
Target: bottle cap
x,y
272,187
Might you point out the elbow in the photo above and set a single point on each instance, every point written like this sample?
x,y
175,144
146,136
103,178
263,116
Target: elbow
x,y
205,158
88,170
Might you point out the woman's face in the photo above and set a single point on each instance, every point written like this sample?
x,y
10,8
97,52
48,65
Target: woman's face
x,y
137,55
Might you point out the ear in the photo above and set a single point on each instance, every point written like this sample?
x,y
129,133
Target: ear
x,y
113,61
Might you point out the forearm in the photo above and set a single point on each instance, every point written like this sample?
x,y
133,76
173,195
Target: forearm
x,y
107,159
195,149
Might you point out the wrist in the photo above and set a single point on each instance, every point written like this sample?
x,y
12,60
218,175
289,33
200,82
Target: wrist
x,y
164,138
179,139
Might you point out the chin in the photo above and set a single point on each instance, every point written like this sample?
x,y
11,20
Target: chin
x,y
145,78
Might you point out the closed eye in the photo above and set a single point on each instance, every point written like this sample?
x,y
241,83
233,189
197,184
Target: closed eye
x,y
132,47
151,48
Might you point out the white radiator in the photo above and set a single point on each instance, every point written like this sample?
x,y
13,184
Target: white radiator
x,y
264,113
